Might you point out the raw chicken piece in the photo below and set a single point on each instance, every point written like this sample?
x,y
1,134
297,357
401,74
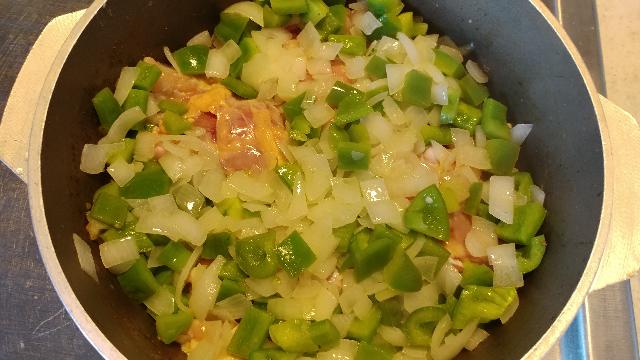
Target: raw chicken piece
x,y
460,225
173,85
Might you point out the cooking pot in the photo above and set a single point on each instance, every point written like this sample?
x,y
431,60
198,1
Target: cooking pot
x,y
581,152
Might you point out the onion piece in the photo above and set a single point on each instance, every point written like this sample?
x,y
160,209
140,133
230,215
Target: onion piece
x,y
145,146
204,289
171,60
537,194
501,189
476,72
251,187
427,296
161,302
268,89
481,237
480,137
354,67
474,157
447,348
409,48
122,125
125,82
217,65
317,172
249,9
184,274
94,157
85,258
506,272
309,38
392,335
379,129
395,76
325,50
453,52
346,349
448,279
118,252
231,51
476,338
520,132
367,22
393,111
342,323
122,172
172,165
510,310
379,206
202,38
232,308
319,114
427,266
440,93
213,345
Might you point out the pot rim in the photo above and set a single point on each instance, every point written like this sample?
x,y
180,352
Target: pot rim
x,y
102,344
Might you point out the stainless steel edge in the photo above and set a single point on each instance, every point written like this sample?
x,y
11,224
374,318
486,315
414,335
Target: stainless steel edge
x,y
60,283
567,315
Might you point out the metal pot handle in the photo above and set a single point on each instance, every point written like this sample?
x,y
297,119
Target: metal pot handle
x,y
621,257
15,128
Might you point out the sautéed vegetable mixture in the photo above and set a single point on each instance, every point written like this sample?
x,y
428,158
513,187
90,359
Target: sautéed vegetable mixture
x,y
315,179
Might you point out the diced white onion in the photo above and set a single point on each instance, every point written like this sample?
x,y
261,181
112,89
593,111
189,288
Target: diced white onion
x,y
182,277
152,106
122,125
232,308
118,252
379,129
377,98
520,132
249,9
476,72
440,93
317,66
170,59
325,50
250,186
478,336
231,51
177,225
202,38
317,172
391,49
94,157
448,278
122,172
427,266
346,350
392,335
125,82
145,146
213,345
268,89
510,310
379,206
393,111
354,67
83,250
217,65
367,22
263,287
325,304
454,53
161,302
480,137
342,323
319,114
481,237
409,48
506,272
537,194
427,296
395,76
204,289
309,38
474,157
501,189
447,348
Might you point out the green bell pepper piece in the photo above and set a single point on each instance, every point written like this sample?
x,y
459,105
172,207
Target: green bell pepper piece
x,y
374,257
230,270
337,135
392,311
142,240
481,303
350,110
527,220
111,188
107,107
402,274
273,20
170,326
110,210
473,92
173,106
251,333
494,120
370,352
450,198
256,255
449,112
147,77
158,240
229,288
293,108
233,207
217,245
249,48
417,89
289,7
530,256
405,22
138,282
440,134
341,91
174,256
427,214
316,11
293,336
436,249
358,133
300,128
151,181
390,27
192,60
164,277
344,235
448,64
324,334
353,156
364,329
334,22
382,7
503,155
137,98
483,212
523,183
239,88
175,124
272,354
475,196
290,174
467,117
126,154
294,254
189,199
476,274
355,45
383,231
376,67
230,27
421,323
357,244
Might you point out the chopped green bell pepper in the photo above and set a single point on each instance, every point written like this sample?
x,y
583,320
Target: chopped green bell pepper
x,y
440,134
251,332
355,45
341,91
402,274
473,92
467,117
289,7
417,89
350,110
126,154
107,107
164,277
110,210
483,212
217,245
175,124
421,323
494,120
353,156
293,108
523,183
233,207
530,256
138,282
300,128
374,257
230,270
448,64
324,334
174,256
481,303
230,27
344,234
392,311
256,255
192,60
450,198
293,336
290,174
376,67
358,133
294,254
382,7
272,354
527,220
147,77
189,199
503,155
370,352
427,214
334,22
142,240
151,181
436,249
239,88
170,326
316,11
138,98
390,27
229,288
158,240
364,329
111,188
174,106
337,135
475,196
476,274
273,20
449,112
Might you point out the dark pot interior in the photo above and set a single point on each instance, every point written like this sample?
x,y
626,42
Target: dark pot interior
x,y
530,70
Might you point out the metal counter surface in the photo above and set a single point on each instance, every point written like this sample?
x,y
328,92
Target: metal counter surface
x,y
34,324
